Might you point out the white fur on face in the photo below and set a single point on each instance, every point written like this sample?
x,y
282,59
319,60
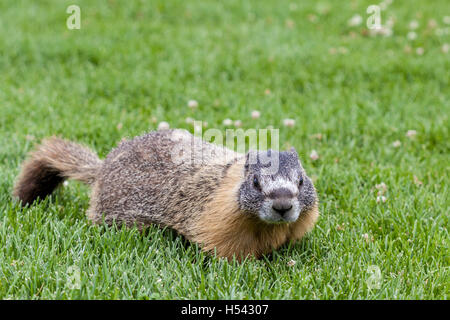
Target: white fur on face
x,y
269,215
279,183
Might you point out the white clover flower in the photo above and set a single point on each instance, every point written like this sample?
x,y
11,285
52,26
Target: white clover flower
x,y
343,50
163,125
314,155
227,122
411,35
390,22
289,122
381,187
238,123
383,31
420,51
387,32
255,114
413,25
354,21
381,199
189,120
396,144
192,104
411,133
432,23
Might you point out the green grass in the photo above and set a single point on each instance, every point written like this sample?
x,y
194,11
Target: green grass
x,y
135,60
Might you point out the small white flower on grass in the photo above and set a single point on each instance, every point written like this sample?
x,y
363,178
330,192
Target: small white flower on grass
x,y
238,123
312,18
65,183
387,32
352,34
291,263
390,22
381,187
446,19
192,104
343,50
417,182
411,133
367,237
159,280
256,114
420,51
396,144
189,120
382,199
354,21
445,48
289,122
411,35
163,125
383,5
413,25
383,31
290,23
432,23
227,122
314,155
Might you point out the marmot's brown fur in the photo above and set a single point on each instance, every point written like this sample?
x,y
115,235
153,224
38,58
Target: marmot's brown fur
x,y
223,200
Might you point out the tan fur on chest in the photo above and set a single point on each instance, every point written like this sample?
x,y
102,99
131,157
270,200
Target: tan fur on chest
x,y
224,228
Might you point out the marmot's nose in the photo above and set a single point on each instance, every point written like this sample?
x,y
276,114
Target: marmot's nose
x,y
282,206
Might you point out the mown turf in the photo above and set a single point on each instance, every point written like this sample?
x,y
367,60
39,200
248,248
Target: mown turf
x,y
134,61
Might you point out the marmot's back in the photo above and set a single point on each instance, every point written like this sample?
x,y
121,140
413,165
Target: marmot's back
x,y
162,177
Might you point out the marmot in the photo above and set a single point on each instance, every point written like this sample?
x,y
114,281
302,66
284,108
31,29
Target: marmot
x,y
222,200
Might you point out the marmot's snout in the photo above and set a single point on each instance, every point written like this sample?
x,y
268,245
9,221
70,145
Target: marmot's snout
x,y
282,206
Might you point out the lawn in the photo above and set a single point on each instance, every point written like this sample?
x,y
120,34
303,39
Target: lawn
x,y
374,107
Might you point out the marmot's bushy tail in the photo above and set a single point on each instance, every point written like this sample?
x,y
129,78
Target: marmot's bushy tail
x,y
54,161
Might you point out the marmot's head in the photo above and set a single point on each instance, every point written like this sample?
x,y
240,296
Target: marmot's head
x,y
276,188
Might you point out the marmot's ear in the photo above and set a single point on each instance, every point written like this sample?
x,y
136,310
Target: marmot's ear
x,y
251,158
292,150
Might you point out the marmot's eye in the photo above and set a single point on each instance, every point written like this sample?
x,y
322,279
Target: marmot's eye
x,y
300,182
256,182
